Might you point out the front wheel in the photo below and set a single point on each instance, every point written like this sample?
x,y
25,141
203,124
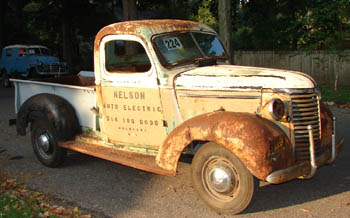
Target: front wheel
x,y
221,180
33,74
45,146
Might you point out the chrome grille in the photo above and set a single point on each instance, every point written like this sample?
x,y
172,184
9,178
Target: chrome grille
x,y
53,68
305,112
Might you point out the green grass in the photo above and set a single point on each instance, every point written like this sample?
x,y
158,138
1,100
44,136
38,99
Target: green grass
x,y
11,206
16,200
341,96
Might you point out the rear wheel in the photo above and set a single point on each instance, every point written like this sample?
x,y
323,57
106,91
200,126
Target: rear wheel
x,y
221,180
6,79
45,146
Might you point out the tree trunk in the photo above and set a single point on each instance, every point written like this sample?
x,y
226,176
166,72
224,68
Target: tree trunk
x,y
225,25
130,13
3,10
67,33
129,10
19,15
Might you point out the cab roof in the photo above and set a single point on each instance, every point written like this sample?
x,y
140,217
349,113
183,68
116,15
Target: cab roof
x,y
147,28
25,46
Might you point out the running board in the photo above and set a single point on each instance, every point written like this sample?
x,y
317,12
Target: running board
x,y
136,160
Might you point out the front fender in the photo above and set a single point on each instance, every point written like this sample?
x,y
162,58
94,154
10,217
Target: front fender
x,y
248,136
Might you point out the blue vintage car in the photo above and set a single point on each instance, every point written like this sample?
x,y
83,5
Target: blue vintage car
x,y
29,61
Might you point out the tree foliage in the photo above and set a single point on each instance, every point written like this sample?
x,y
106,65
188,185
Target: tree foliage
x,y
63,25
292,24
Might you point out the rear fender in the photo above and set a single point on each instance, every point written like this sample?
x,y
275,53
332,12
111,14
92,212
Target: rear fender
x,y
58,111
247,136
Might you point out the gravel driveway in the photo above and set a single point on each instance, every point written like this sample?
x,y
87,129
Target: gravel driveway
x,y
106,189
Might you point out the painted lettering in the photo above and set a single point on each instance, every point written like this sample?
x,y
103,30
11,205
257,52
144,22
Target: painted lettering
x,y
129,95
128,120
111,119
110,106
149,122
138,108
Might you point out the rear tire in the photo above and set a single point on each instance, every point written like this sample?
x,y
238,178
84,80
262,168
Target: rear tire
x,y
45,144
221,180
6,80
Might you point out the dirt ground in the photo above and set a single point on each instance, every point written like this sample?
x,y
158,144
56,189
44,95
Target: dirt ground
x,y
106,189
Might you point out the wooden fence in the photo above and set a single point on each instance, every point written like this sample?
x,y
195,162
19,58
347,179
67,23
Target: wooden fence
x,y
322,66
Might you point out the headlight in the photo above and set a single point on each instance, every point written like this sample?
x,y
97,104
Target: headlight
x,y
277,109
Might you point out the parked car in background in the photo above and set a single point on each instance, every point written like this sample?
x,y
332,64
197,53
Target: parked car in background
x,y
29,61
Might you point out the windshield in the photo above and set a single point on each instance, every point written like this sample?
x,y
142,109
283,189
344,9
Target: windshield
x,y
182,48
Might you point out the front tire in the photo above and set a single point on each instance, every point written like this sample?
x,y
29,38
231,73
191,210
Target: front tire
x,y
33,74
45,144
221,180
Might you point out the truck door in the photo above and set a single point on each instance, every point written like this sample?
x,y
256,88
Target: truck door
x,y
132,110
21,60
9,60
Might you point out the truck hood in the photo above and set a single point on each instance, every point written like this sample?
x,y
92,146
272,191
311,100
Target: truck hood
x,y
46,59
226,77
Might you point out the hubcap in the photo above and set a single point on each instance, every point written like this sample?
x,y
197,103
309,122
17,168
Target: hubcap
x,y
220,178
44,145
44,142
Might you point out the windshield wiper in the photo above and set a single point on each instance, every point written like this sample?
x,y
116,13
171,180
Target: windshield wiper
x,y
206,61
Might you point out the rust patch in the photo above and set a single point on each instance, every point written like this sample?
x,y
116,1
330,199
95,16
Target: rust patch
x,y
249,137
145,29
133,159
326,126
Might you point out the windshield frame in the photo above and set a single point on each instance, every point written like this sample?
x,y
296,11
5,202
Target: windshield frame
x,y
188,61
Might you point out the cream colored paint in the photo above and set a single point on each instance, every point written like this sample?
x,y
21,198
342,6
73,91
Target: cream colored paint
x,y
219,87
133,116
132,110
216,100
225,77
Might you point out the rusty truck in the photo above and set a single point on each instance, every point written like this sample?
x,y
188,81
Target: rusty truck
x,y
162,88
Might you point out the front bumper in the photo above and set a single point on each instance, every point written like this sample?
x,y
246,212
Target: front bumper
x,y
307,169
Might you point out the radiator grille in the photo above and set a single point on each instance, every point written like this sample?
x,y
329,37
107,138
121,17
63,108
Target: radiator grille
x,y
53,68
305,112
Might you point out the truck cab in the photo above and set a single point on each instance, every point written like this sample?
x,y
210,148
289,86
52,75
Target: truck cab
x,y
163,88
29,61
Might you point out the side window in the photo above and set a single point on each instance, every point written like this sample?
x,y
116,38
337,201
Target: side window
x,y
8,52
126,57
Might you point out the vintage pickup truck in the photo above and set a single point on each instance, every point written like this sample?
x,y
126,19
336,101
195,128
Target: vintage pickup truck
x,y
163,88
28,61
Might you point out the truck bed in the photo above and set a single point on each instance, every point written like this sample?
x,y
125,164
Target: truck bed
x,y
78,90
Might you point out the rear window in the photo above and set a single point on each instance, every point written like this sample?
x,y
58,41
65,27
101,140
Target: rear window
x,y
124,56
